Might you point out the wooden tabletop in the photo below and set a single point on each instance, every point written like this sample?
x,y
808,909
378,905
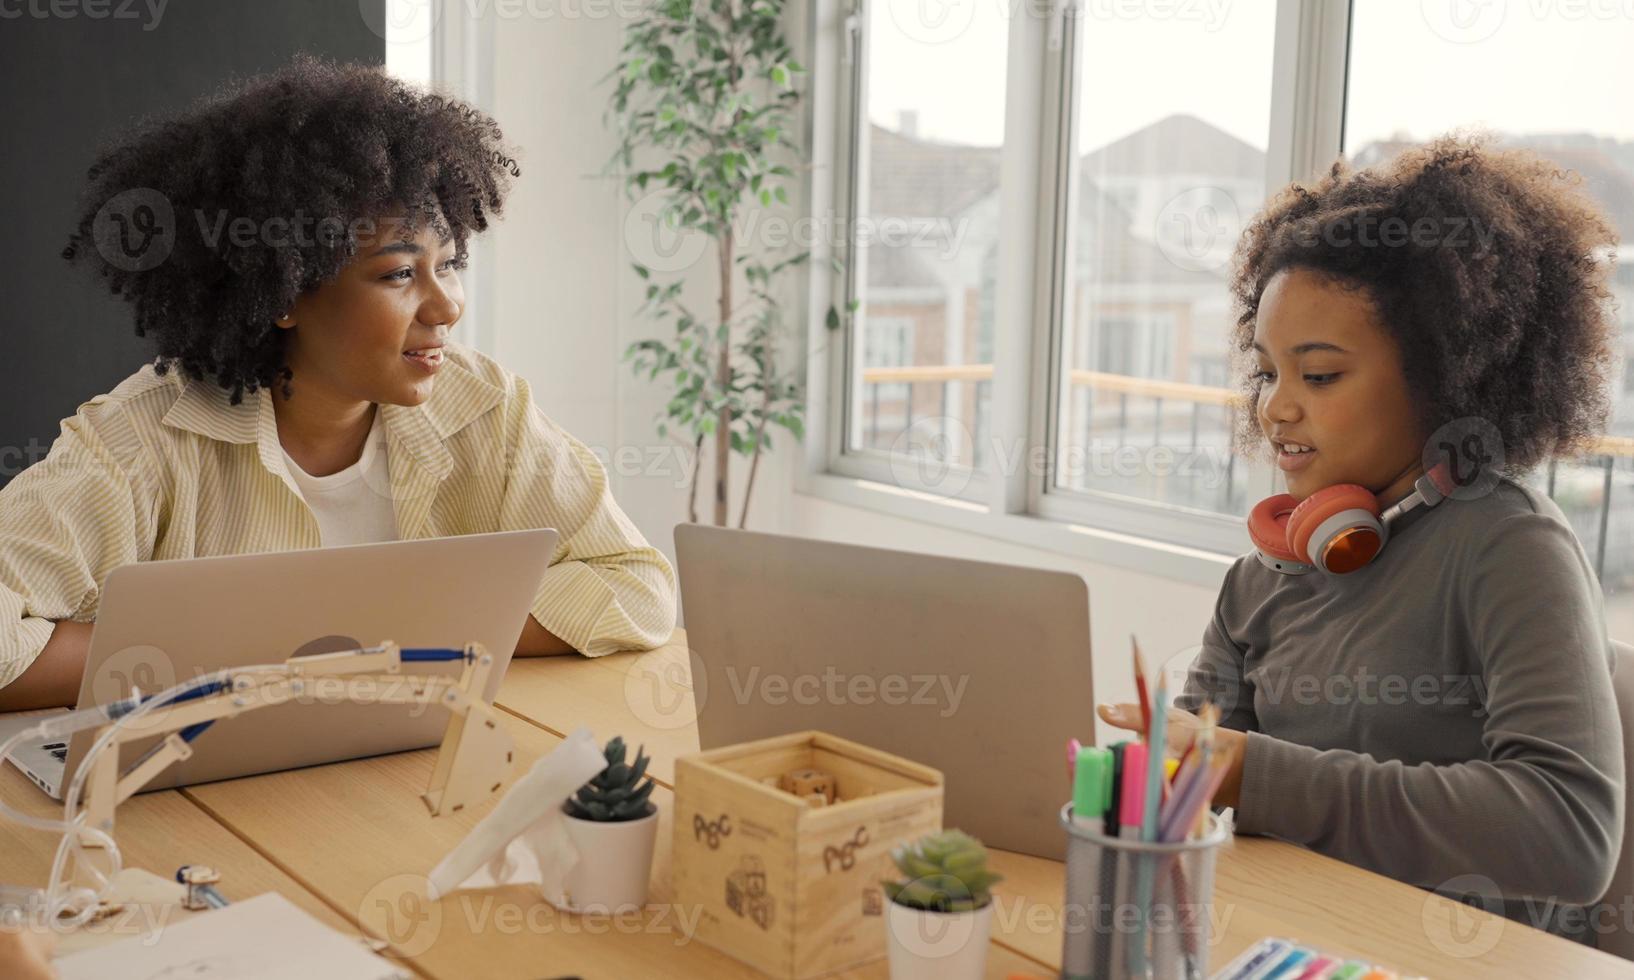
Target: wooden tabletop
x,y
351,843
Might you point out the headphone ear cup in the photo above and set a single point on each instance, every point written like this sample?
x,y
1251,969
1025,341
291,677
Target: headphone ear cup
x,y
1268,526
1320,506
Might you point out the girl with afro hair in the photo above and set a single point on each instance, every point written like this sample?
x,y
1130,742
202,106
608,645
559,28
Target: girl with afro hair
x,y
292,245
1412,669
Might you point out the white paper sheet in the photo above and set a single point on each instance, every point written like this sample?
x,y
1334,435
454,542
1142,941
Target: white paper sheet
x,y
265,937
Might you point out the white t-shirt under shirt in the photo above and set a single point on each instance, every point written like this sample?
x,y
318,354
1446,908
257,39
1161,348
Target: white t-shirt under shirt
x,y
352,506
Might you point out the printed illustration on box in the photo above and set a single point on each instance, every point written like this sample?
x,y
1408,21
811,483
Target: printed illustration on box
x,y
746,892
781,844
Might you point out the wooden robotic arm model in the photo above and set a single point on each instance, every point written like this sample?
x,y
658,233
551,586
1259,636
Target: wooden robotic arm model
x,y
472,762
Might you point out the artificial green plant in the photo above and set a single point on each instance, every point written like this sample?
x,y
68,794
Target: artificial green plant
x,y
706,95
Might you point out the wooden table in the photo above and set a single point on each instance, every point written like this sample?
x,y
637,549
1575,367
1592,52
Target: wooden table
x,y
352,842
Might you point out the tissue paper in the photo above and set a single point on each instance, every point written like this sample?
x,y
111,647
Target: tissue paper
x,y
524,841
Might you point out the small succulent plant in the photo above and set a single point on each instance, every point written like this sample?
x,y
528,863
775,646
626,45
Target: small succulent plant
x,y
616,793
942,872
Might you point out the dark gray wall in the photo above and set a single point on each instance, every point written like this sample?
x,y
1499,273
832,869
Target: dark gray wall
x,y
68,84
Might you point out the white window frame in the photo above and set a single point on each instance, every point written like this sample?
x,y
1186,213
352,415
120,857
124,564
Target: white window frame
x,y
1038,183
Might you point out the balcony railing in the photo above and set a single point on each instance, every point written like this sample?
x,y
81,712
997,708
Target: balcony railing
x,y
1605,454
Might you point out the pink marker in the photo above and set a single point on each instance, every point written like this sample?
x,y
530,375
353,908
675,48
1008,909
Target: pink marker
x,y
1131,804
1319,969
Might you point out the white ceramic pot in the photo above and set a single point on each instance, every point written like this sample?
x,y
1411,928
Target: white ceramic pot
x,y
937,945
614,866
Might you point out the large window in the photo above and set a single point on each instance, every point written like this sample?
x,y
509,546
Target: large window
x,y
927,147
409,27
1173,117
1579,117
1160,131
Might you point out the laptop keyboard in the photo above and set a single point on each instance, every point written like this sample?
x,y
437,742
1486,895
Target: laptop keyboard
x,y
58,750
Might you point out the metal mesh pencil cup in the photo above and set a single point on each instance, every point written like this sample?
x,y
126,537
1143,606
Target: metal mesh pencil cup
x,y
1134,909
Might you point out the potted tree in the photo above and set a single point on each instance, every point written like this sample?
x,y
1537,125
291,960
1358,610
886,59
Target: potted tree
x,y
705,97
940,917
613,822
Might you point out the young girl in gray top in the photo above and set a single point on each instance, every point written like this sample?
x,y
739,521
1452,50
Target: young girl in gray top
x,y
1439,709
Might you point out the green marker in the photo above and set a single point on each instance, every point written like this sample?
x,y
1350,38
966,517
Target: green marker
x,y
1092,787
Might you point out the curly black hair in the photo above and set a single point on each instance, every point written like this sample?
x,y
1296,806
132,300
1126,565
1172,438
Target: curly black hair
x,y
264,188
1489,268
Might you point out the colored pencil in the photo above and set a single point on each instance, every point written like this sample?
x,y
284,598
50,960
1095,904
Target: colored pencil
x,y
1140,688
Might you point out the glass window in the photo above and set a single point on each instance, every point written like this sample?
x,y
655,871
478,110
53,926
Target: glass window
x,y
926,229
1570,103
409,28
1173,117
887,343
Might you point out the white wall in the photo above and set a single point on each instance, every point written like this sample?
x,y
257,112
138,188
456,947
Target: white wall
x,y
565,306
566,295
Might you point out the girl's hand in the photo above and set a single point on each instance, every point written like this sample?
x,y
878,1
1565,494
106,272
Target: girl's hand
x,y
1181,730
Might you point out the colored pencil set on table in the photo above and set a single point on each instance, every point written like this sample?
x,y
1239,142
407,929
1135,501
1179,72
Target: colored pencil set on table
x,y
1133,791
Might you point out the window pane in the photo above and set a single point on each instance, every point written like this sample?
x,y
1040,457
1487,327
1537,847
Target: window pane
x,y
1173,117
927,229
1400,61
409,25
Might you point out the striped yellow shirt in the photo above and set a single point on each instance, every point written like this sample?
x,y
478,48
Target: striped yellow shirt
x,y
163,467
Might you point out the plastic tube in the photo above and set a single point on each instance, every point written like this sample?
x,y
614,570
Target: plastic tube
x,y
57,898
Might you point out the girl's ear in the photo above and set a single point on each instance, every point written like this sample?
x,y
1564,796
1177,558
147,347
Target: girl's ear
x,y
284,321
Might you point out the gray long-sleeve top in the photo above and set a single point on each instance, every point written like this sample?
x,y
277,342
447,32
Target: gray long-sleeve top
x,y
1443,716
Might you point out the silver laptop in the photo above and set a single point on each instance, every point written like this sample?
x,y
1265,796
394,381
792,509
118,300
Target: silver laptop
x,y
163,622
980,670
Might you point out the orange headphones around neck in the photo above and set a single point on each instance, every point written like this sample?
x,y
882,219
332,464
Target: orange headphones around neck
x,y
1337,529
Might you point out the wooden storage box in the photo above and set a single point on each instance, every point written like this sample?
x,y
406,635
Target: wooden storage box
x,y
790,888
